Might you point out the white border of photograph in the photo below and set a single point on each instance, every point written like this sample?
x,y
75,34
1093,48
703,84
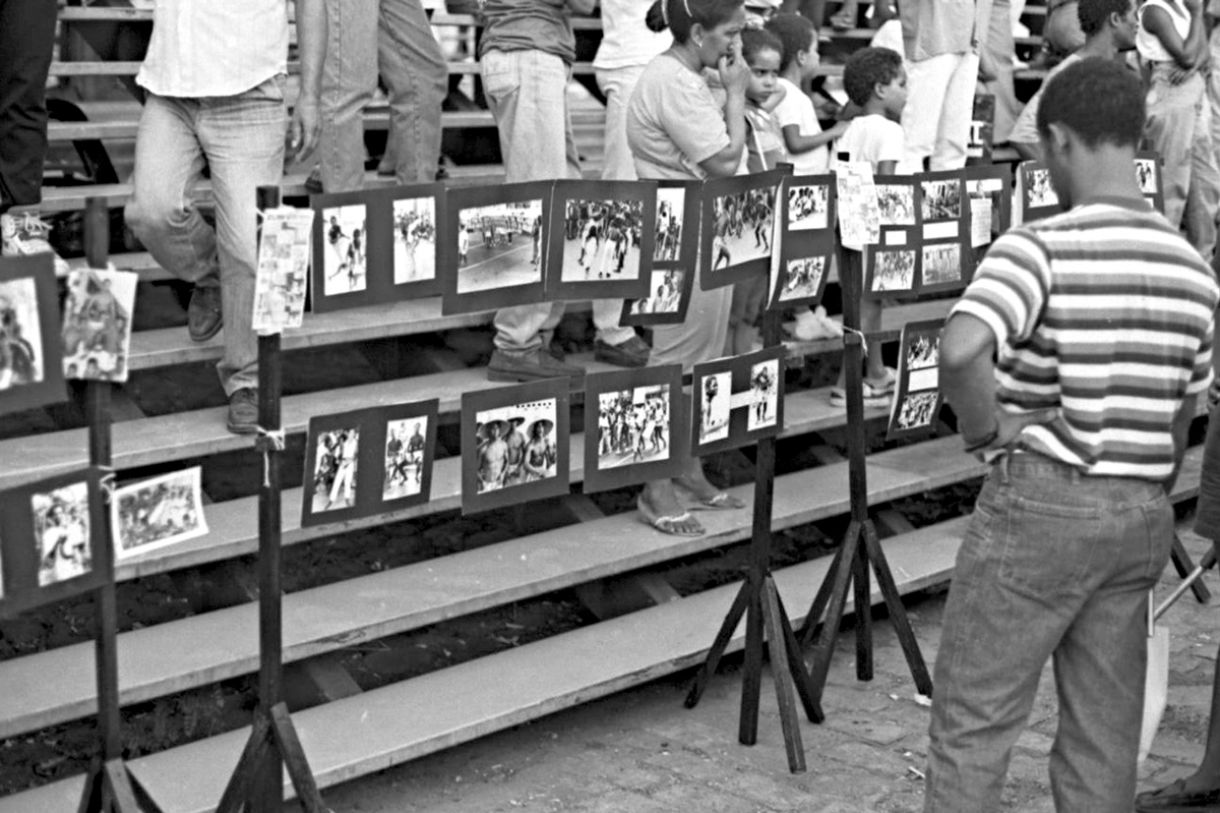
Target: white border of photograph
x,y
187,497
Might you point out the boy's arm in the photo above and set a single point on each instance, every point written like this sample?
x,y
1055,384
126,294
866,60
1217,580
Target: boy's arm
x,y
771,102
1186,53
798,142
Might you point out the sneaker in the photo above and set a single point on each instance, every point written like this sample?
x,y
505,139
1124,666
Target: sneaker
x,y
813,325
27,234
532,366
243,411
632,353
203,316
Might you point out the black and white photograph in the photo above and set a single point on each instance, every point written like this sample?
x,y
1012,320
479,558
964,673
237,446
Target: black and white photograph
x,y
633,426
514,444
414,239
803,279
923,351
942,264
96,325
917,392
941,200
336,467
893,269
406,456
282,272
503,246
764,395
345,249
156,513
897,204
917,410
671,213
669,295
1038,192
714,393
601,239
982,127
1145,175
30,345
61,533
738,229
636,433
808,207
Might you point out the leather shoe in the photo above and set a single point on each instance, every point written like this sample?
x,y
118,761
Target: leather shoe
x,y
1174,798
533,366
631,353
243,411
203,316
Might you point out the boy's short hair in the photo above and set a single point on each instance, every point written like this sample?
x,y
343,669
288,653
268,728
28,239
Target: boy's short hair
x,y
867,68
754,40
795,32
1094,13
1098,99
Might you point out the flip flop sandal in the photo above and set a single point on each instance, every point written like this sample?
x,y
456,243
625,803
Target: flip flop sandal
x,y
720,501
671,524
1174,797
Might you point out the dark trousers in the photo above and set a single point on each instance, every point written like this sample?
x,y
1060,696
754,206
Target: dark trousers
x,y
27,34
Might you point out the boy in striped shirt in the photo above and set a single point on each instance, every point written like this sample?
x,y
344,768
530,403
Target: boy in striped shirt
x,y
1073,361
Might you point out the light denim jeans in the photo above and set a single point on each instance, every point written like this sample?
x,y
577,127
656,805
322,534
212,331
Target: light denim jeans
x,y
936,119
363,36
1054,565
241,140
1178,126
527,94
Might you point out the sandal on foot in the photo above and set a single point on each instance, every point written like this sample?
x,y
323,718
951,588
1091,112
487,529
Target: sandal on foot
x,y
842,22
1174,797
720,501
673,524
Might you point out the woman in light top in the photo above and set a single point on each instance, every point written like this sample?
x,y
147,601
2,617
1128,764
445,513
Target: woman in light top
x,y
678,129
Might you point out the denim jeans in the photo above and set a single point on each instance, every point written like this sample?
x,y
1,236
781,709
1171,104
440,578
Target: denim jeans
x,y
1207,511
527,94
241,140
1178,127
363,36
936,120
27,36
1054,565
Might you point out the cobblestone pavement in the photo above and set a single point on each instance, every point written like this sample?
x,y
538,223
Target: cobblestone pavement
x,y
641,750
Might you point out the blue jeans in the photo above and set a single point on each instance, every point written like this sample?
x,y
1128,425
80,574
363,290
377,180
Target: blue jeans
x,y
1054,565
393,36
241,140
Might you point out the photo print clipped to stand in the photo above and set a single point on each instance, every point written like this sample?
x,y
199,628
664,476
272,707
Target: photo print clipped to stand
x,y
410,215
368,461
515,444
738,227
635,427
917,398
1151,180
154,514
945,220
800,268
989,193
675,248
351,248
982,128
96,325
737,400
891,268
282,276
602,236
493,246
31,368
1035,198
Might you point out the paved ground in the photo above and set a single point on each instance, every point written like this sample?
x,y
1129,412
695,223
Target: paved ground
x,y
643,751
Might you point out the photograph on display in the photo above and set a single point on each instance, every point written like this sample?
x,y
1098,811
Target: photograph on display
x,y
915,411
156,513
409,449
941,200
989,190
96,325
737,400
282,270
897,204
670,294
891,270
942,265
1040,193
350,250
738,227
61,533
982,127
602,239
31,372
671,213
808,207
636,433
1148,176
414,231
336,464
859,215
345,249
802,281
514,444
1036,197
917,392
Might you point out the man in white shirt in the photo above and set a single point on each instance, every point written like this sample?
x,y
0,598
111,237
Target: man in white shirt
x,y
215,75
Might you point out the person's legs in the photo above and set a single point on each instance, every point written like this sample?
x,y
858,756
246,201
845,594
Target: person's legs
x,y
1203,199
349,75
1000,50
1169,130
27,35
953,129
927,83
243,138
415,72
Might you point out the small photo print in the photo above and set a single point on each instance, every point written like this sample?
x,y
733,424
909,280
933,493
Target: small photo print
x,y
666,293
334,477
61,529
715,393
897,204
808,207
894,270
500,246
344,259
1040,193
1145,174
405,449
741,227
924,351
415,240
917,410
515,445
671,211
96,325
764,393
20,334
283,269
602,240
157,512
942,263
633,426
942,200
804,278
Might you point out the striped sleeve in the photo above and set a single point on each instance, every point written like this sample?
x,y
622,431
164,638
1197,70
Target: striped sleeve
x,y
1009,289
1201,378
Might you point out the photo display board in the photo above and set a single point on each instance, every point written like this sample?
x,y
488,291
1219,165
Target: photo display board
x,y
1035,198
989,199
157,513
800,268
601,237
737,400
738,227
635,427
31,349
410,216
675,250
917,398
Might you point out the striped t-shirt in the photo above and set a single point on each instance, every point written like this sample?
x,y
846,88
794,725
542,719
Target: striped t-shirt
x,y
1105,313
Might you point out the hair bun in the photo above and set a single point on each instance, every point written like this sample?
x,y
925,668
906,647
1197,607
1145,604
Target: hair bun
x,y
655,18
